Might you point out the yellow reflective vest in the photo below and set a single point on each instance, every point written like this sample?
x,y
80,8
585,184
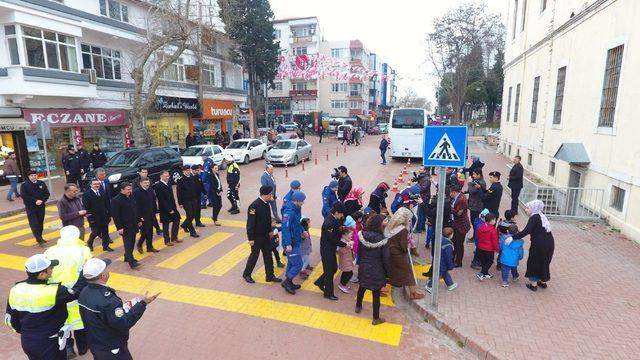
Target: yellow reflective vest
x,y
72,254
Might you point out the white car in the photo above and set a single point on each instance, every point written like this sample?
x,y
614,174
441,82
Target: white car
x,y
193,154
289,152
290,126
245,150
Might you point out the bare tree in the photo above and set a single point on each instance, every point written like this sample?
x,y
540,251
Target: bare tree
x,y
451,48
410,99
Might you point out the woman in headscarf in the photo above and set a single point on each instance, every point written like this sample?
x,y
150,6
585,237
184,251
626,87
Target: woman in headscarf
x,y
542,245
377,198
353,201
398,233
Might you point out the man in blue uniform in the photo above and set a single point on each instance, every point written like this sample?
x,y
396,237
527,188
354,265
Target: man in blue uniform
x,y
37,309
291,238
205,176
106,318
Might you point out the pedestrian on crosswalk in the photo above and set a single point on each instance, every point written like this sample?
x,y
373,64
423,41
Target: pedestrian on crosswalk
x,y
259,233
188,199
267,179
98,215
168,210
35,195
215,194
330,240
70,208
292,232
199,186
146,202
125,215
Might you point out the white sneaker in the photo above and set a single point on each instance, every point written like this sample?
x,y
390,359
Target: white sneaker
x,y
480,276
344,289
505,284
488,276
452,286
427,289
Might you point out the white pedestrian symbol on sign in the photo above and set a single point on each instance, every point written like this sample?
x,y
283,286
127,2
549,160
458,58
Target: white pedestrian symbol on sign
x,y
444,150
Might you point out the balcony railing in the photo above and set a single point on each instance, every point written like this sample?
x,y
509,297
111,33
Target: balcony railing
x,y
299,94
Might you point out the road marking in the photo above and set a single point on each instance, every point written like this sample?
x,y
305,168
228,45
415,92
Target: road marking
x,y
195,250
260,275
314,318
228,261
18,223
51,208
13,217
243,224
26,231
419,269
53,235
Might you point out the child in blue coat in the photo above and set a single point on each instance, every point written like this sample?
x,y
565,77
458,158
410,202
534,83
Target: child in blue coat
x,y
446,260
511,254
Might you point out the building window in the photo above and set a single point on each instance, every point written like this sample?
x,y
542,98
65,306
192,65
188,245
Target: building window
x,y
534,99
355,90
529,159
106,62
299,86
509,103
223,76
276,34
524,14
338,104
354,105
277,85
509,150
339,87
208,74
617,198
49,50
557,111
552,168
12,44
543,5
300,50
516,106
338,53
114,9
175,72
610,86
515,18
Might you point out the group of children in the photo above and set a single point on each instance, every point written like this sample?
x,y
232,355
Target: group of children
x,y
491,236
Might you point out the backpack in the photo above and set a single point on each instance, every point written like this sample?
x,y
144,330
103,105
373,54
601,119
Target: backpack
x,y
397,203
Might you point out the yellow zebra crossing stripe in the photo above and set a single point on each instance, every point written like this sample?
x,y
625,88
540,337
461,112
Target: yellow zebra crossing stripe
x,y
14,217
195,250
18,223
54,235
260,275
228,261
243,225
26,231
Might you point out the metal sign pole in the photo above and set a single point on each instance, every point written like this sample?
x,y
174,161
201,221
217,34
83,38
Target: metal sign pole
x,y
46,157
437,244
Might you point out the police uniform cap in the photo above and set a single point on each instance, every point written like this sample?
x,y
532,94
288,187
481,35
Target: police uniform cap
x,y
94,267
38,263
295,184
266,190
298,196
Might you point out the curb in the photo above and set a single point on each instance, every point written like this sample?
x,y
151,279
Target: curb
x,y
17,211
438,321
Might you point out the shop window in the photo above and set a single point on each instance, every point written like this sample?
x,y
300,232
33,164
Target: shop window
x,y
115,10
106,62
617,198
12,44
49,50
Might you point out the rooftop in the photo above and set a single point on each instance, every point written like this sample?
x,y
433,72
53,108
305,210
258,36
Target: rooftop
x,y
294,19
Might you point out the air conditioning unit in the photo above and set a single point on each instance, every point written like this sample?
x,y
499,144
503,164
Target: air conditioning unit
x,y
93,77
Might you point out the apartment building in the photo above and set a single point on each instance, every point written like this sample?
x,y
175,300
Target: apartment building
x,y
67,63
569,100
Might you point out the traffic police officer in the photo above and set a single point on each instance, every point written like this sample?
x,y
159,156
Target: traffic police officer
x,y
71,253
233,181
35,195
37,309
292,238
106,318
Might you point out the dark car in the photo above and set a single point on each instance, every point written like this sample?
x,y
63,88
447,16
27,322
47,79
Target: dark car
x,y
124,165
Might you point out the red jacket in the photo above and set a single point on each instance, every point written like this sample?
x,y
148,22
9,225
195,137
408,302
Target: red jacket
x,y
488,238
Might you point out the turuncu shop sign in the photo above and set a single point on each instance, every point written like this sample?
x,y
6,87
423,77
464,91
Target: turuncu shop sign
x,y
217,109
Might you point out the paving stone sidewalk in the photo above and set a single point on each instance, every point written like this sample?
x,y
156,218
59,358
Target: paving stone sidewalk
x,y
591,309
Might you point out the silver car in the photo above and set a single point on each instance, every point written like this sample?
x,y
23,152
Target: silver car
x,y
290,151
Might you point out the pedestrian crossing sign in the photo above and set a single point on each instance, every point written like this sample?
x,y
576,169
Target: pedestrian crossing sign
x,y
445,146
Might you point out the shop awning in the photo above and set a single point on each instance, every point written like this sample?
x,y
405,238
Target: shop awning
x,y
14,124
573,153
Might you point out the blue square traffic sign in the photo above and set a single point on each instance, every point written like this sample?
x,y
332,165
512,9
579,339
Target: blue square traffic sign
x,y
445,146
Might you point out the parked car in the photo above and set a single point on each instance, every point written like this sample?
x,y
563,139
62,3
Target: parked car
x,y
289,152
290,126
193,155
374,131
245,150
123,166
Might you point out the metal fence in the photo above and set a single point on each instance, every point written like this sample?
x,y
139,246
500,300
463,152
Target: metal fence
x,y
480,131
564,202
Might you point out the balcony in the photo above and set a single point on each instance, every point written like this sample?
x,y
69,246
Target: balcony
x,y
23,83
303,94
304,39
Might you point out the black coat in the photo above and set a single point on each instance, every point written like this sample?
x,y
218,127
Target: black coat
x,y
166,202
31,192
215,184
373,261
72,163
97,208
187,190
197,182
541,250
491,198
516,176
377,200
330,235
124,211
146,201
258,220
85,160
98,159
352,206
344,187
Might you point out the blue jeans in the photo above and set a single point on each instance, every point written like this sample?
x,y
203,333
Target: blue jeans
x,y
422,219
447,279
294,262
13,180
505,272
384,159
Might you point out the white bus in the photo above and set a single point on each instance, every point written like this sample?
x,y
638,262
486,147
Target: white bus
x,y
406,132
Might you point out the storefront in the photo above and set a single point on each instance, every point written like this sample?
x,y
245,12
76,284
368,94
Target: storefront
x,y
170,124
279,111
61,127
12,140
217,115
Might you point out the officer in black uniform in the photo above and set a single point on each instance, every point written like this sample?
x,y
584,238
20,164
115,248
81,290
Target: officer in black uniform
x,y
38,329
329,241
188,199
72,165
106,318
35,195
197,180
124,212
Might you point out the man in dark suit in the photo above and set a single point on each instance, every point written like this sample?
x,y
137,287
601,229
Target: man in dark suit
x,y
105,185
188,197
168,210
516,182
491,197
199,186
97,206
146,201
125,215
344,183
144,173
35,194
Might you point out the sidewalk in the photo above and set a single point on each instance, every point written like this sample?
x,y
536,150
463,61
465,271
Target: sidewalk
x,y
8,208
589,311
